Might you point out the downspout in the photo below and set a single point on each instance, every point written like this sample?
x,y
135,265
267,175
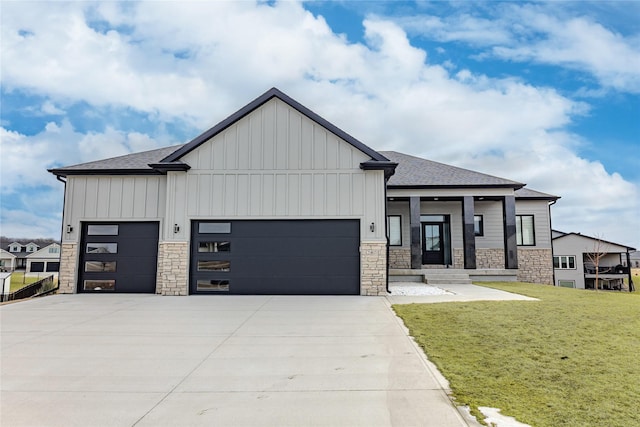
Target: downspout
x,y
553,270
386,231
64,203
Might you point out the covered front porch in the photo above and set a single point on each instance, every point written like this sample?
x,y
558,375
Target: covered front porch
x,y
461,234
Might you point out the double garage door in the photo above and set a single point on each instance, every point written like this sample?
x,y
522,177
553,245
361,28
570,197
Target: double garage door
x,y
279,257
293,257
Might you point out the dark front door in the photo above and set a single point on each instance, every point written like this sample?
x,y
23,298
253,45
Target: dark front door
x,y
432,243
118,257
285,257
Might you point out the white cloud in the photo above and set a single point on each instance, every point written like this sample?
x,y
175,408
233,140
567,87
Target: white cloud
x,y
50,109
580,44
200,61
542,34
463,27
26,158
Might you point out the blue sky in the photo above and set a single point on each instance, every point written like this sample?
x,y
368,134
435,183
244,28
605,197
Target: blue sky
x,y
546,93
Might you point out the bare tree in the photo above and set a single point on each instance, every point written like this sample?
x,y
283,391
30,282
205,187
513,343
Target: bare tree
x,y
597,253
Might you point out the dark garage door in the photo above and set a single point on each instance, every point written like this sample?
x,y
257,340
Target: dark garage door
x,y
37,267
303,257
118,257
53,266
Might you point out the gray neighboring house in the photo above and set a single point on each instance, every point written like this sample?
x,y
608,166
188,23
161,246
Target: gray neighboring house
x,y
276,200
574,269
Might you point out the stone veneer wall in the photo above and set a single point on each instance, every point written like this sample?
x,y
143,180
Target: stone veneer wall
x,y
68,268
490,258
373,268
535,266
458,258
173,268
399,258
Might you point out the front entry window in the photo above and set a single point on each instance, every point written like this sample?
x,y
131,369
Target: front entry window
x,y
432,237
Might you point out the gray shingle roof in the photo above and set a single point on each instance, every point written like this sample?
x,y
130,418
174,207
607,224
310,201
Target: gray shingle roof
x,y
129,162
417,172
527,193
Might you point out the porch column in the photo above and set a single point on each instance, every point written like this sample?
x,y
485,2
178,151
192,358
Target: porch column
x,y
414,221
468,232
510,242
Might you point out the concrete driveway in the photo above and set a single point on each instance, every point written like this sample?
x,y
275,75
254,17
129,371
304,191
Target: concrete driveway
x,y
146,360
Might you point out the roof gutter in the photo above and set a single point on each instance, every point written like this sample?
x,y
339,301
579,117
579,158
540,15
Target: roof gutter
x,y
387,166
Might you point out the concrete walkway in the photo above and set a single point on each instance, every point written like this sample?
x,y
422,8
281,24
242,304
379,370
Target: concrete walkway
x,y
463,292
146,360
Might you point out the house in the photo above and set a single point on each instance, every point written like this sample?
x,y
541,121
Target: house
x,y
21,251
7,261
441,216
574,265
46,259
277,200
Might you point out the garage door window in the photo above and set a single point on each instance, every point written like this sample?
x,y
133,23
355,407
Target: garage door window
x,y
204,265
98,266
213,285
102,248
99,285
214,247
214,227
102,230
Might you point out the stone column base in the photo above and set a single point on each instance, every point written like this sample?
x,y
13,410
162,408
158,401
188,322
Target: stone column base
x,y
68,268
173,268
373,268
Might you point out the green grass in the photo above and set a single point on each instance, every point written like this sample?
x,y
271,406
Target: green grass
x,y
635,275
19,281
570,359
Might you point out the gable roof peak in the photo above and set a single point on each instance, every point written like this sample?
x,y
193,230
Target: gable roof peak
x,y
255,104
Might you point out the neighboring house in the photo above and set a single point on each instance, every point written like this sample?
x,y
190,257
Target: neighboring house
x,y
21,251
276,200
634,258
7,261
573,267
46,259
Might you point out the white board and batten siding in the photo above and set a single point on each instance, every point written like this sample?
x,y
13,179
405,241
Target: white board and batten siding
x,y
113,198
276,163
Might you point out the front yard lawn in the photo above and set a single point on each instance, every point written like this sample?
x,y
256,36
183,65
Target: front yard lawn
x,y
19,281
570,359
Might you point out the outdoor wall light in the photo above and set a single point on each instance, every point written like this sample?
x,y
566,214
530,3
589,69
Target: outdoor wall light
x,y
176,228
372,227
69,228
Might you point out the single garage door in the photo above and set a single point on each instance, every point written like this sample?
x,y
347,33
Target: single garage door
x,y
118,257
297,257
37,267
53,266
